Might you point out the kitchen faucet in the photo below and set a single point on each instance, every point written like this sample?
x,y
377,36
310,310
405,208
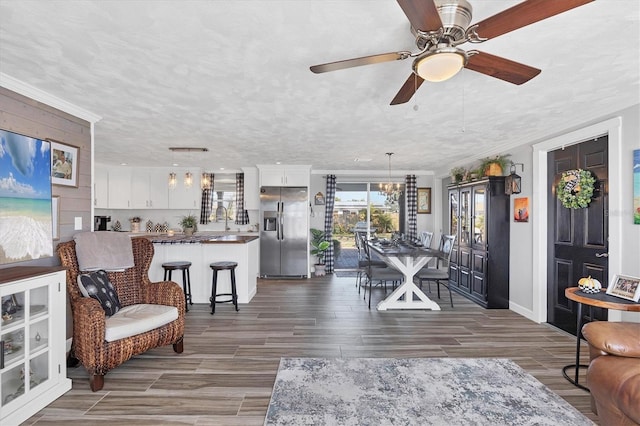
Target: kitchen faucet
x,y
226,217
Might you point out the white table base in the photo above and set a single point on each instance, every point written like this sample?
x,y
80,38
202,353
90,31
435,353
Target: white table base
x,y
402,297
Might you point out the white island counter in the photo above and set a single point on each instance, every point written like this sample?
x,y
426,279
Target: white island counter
x,y
202,251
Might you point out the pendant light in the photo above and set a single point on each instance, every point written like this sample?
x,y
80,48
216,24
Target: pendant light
x,y
389,190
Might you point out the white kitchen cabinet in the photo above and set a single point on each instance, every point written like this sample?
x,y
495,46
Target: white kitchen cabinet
x,y
251,188
33,370
182,197
101,187
149,189
284,175
119,188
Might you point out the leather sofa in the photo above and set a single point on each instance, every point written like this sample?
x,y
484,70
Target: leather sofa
x,y
614,371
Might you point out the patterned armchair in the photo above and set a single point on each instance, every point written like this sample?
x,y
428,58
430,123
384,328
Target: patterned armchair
x,y
133,286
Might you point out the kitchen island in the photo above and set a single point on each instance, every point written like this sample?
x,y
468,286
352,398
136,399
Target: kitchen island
x,y
202,250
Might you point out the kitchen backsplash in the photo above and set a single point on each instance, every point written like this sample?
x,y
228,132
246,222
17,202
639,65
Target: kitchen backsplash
x,y
171,217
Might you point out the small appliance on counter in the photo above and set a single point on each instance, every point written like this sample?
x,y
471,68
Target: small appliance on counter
x,y
100,222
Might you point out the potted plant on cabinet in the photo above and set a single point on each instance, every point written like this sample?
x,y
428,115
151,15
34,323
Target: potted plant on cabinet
x,y
457,174
318,246
495,166
189,224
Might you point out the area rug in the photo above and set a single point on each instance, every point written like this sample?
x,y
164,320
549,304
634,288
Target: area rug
x,y
417,391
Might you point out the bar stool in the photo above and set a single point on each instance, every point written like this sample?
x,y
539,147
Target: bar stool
x,y
186,279
223,266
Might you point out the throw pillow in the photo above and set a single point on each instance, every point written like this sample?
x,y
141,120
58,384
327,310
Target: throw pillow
x,y
97,285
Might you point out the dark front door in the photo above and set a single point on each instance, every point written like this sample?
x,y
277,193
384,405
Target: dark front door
x,y
577,238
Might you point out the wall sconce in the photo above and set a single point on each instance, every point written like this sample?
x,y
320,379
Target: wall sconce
x,y
513,182
172,180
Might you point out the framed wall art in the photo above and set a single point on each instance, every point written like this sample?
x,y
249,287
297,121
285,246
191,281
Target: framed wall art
x,y
625,287
25,198
319,199
64,164
521,209
55,217
424,200
636,186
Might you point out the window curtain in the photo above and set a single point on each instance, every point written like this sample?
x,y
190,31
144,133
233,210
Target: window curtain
x,y
242,216
207,200
412,208
330,199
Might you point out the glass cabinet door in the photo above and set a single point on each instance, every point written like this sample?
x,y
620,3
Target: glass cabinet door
x,y
465,216
479,210
24,338
453,213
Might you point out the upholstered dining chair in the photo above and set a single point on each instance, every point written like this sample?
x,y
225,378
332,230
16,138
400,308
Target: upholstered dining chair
x,y
425,238
147,317
364,260
439,274
378,274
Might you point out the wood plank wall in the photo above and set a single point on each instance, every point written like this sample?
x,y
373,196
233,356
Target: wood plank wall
x,y
23,115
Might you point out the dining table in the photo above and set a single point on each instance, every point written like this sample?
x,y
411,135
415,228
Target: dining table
x,y
408,258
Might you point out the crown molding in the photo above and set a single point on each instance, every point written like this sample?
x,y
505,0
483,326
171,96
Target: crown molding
x,y
36,94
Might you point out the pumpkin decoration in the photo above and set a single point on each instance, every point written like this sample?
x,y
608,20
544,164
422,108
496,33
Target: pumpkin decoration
x,y
589,285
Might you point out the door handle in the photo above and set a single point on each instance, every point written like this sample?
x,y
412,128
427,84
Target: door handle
x,y
602,254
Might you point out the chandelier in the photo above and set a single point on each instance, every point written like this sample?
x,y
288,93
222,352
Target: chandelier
x,y
390,190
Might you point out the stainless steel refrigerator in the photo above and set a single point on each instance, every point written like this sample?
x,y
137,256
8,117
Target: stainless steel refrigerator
x,y
284,231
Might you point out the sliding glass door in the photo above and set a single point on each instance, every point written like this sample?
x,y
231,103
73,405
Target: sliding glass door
x,y
364,208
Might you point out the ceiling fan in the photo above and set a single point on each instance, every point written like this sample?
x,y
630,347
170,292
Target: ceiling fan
x,y
440,26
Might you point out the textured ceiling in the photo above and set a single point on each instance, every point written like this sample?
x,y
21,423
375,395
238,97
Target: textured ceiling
x,y
233,75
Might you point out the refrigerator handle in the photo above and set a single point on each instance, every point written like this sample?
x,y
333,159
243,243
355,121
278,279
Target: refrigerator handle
x,y
282,220
278,221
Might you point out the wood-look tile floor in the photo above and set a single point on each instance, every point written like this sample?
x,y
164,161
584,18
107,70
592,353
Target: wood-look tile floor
x,y
227,370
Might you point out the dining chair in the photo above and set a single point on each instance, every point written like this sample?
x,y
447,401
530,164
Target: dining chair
x,y
425,238
378,274
364,259
439,274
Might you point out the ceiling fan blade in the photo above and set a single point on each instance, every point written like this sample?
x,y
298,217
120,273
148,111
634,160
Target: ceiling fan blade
x,y
357,62
523,14
408,89
422,14
504,69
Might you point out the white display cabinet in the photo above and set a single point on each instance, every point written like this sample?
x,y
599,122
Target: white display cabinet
x,y
33,370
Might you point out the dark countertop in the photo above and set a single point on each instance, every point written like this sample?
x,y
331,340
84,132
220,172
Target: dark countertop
x,y
204,239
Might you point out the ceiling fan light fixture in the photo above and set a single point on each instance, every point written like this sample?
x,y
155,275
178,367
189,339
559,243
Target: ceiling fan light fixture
x,y
440,64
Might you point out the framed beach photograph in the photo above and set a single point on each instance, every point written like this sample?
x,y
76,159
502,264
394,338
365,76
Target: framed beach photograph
x,y
55,217
25,198
424,200
625,287
64,164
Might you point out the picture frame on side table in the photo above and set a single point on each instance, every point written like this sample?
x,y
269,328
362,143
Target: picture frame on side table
x,y
424,200
625,287
64,164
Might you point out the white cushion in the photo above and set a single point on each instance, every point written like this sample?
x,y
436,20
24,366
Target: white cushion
x,y
136,319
